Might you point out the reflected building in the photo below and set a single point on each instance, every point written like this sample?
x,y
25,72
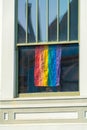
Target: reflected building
x,y
70,58
63,25
31,35
27,56
53,31
22,31
21,34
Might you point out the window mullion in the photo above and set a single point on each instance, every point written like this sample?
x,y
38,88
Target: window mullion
x,y
68,21
78,20
58,8
47,18
37,17
16,40
26,21
16,23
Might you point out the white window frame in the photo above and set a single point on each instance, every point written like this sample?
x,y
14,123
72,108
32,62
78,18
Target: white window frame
x,y
47,42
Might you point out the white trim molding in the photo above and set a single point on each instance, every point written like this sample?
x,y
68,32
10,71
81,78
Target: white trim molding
x,y
8,49
43,111
0,41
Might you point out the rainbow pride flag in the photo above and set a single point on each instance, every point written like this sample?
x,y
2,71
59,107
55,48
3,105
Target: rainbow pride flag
x,y
47,66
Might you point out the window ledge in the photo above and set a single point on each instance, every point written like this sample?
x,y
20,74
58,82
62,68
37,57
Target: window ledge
x,y
43,111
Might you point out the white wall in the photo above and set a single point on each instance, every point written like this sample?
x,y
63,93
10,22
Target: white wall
x,y
7,83
83,48
8,61
0,40
7,43
46,127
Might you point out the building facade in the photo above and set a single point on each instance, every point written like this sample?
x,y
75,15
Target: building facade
x,y
42,107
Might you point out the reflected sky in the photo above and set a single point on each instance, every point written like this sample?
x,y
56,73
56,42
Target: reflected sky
x,y
42,20
63,19
52,20
21,13
63,8
52,10
33,13
31,20
21,10
41,17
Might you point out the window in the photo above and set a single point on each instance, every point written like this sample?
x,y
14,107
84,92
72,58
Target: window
x,y
48,47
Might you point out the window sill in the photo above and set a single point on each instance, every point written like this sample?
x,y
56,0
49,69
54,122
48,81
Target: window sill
x,y
47,95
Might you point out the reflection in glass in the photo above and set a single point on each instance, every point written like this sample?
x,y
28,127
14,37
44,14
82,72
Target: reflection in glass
x,y
31,20
26,70
39,69
21,21
74,20
63,20
70,68
33,67
52,32
42,21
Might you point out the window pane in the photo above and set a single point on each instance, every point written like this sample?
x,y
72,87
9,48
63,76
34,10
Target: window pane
x,y
63,20
74,20
42,21
52,36
39,69
53,10
70,68
50,68
31,20
21,21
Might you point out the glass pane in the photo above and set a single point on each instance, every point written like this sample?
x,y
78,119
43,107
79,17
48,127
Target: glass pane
x,y
31,20
21,21
70,68
63,20
52,68
74,20
52,30
42,21
39,69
